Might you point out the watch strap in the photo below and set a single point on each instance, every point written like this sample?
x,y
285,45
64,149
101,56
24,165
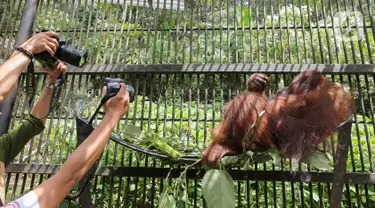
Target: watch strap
x,y
49,85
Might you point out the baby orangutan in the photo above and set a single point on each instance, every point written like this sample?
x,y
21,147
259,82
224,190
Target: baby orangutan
x,y
294,121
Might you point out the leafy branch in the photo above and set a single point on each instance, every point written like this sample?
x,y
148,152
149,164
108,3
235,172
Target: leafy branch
x,y
217,184
176,196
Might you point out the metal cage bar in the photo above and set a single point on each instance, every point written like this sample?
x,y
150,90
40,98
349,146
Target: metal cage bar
x,y
186,87
186,59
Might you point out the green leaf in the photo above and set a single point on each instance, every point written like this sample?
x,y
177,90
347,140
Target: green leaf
x,y
181,193
130,132
181,204
250,154
131,129
275,154
230,160
167,201
161,145
218,190
246,165
320,161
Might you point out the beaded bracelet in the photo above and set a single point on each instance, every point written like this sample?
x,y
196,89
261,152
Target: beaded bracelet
x,y
26,52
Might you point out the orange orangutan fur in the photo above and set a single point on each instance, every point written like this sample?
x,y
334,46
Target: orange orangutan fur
x,y
295,120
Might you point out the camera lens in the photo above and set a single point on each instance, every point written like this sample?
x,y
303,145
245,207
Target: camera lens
x,y
71,55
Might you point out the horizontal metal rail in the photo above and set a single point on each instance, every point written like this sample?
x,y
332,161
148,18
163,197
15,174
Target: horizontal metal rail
x,y
298,176
320,27
190,91
222,68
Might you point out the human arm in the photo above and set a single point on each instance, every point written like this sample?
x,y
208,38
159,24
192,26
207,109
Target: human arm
x,y
52,191
11,69
15,139
41,107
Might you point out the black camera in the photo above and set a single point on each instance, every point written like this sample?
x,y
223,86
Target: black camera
x,y
113,87
65,53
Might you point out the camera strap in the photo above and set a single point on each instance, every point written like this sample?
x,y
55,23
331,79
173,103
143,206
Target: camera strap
x,y
31,88
91,173
30,83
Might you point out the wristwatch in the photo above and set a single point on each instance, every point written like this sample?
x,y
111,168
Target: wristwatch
x,y
49,85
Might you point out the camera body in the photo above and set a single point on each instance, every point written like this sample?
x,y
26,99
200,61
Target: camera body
x,y
113,87
65,53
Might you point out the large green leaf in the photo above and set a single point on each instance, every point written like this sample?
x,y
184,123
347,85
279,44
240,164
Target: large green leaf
x,y
130,132
131,129
319,160
218,190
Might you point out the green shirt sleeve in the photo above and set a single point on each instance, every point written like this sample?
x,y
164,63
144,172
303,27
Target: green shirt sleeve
x,y
14,141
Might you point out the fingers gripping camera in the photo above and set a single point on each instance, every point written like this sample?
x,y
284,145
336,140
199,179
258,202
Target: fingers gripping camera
x,y
113,87
65,53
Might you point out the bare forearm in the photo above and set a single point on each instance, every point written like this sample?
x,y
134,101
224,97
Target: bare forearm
x,y
51,192
10,70
89,151
41,107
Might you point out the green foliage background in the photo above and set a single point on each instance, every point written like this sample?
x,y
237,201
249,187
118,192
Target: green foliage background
x,y
205,31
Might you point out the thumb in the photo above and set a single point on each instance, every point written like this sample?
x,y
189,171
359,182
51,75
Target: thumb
x,y
122,89
104,92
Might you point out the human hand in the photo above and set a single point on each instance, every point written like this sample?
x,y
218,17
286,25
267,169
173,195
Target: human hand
x,y
117,106
43,41
53,74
